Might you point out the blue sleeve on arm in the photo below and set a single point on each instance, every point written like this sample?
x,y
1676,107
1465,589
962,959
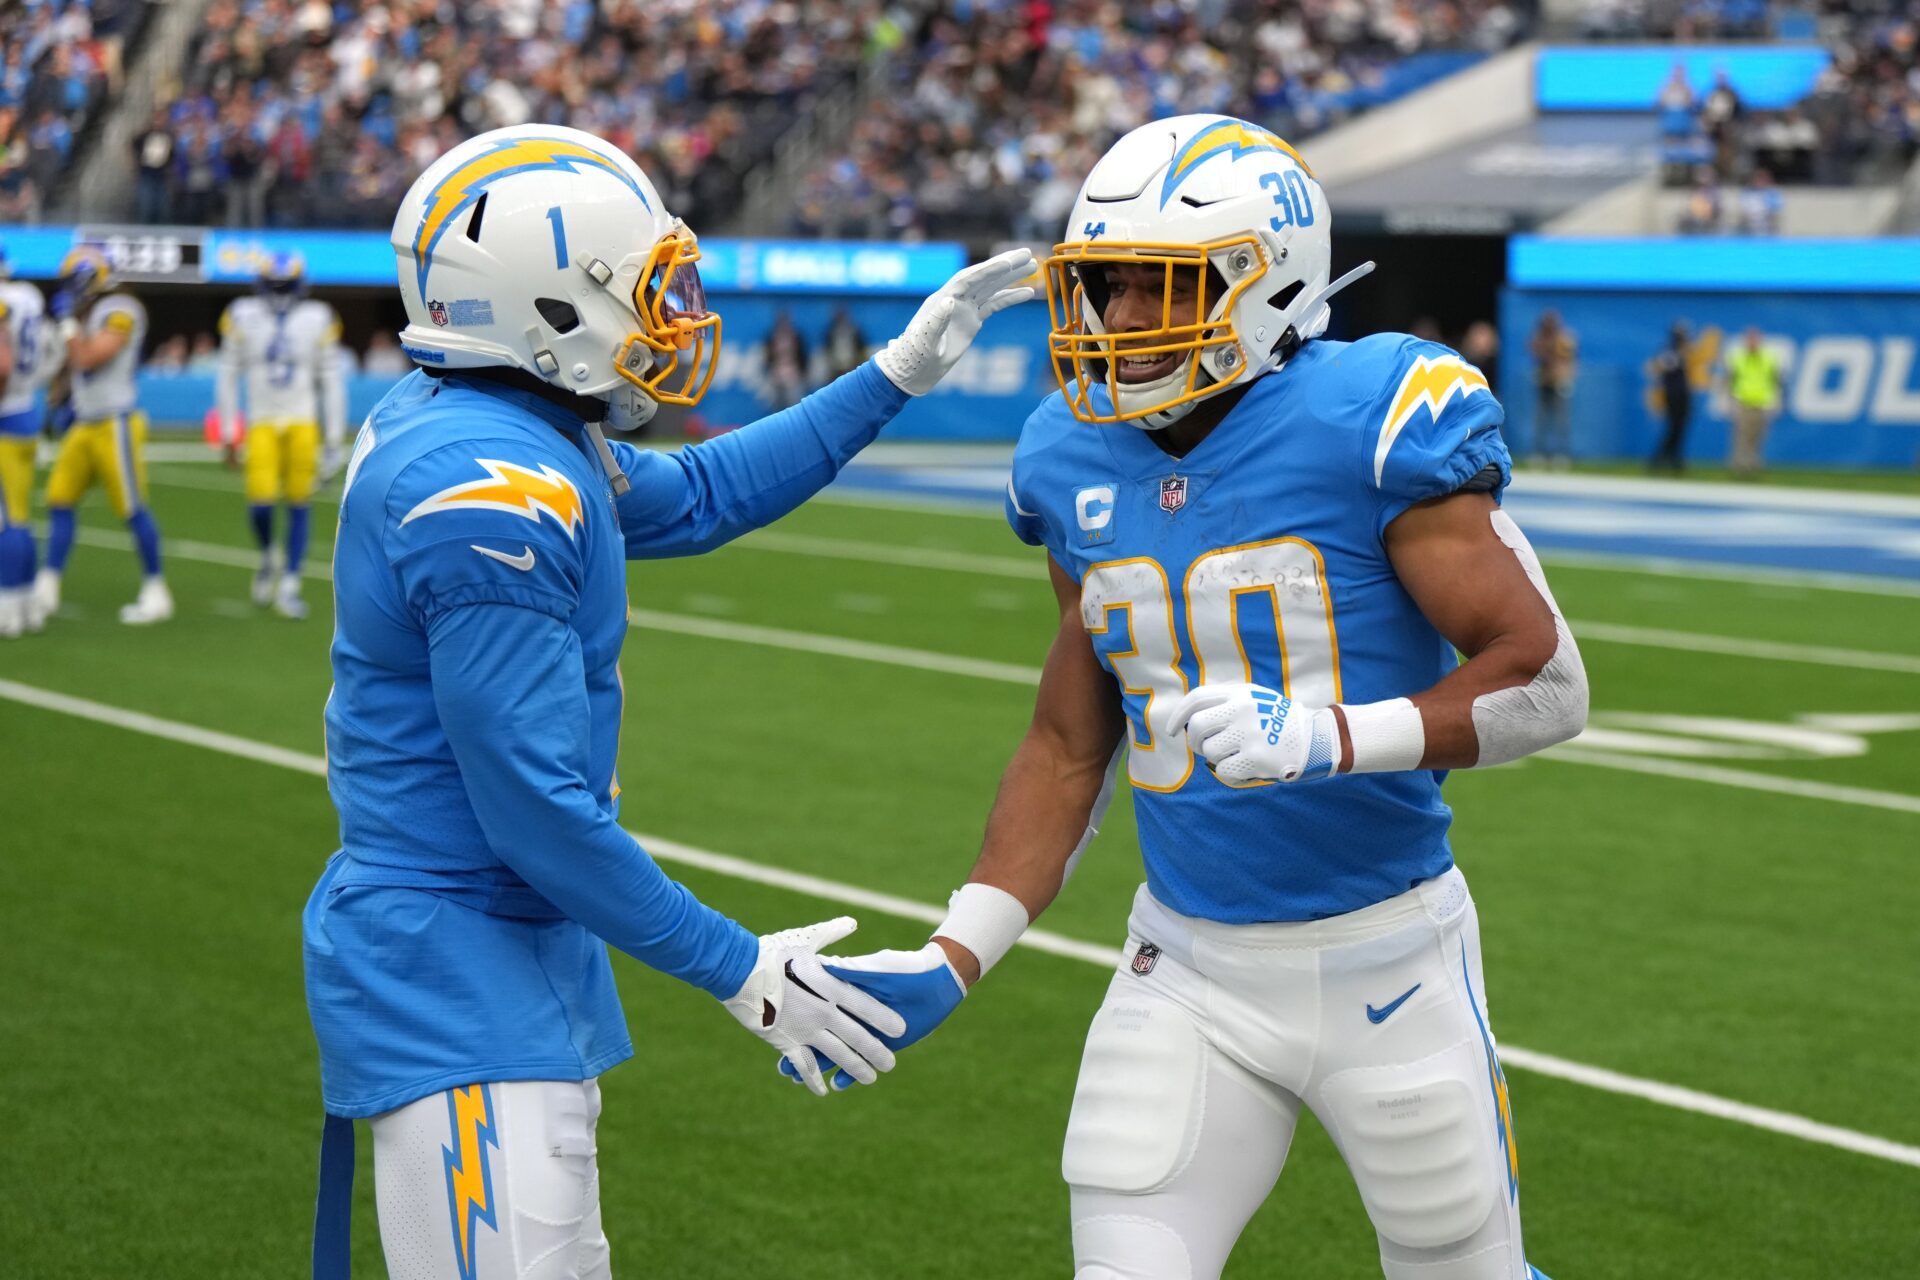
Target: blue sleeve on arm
x,y
709,494
511,694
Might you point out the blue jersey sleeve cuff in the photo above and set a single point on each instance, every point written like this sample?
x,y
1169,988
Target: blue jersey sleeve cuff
x,y
1486,450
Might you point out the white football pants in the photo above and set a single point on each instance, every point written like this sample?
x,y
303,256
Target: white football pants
x,y
492,1182
1205,1049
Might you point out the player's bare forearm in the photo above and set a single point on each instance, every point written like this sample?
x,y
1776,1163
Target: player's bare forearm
x,y
88,351
1475,591
1054,780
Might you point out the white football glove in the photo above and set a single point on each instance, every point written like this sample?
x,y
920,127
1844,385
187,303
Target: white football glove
x,y
795,1005
948,321
1248,732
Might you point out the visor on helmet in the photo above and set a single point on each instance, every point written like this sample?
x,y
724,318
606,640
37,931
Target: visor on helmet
x,y
673,356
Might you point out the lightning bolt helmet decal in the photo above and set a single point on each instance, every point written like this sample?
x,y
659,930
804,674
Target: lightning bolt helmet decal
x,y
1234,137
465,184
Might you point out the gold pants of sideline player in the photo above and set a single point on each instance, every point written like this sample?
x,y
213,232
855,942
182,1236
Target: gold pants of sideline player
x,y
283,460
16,478
110,452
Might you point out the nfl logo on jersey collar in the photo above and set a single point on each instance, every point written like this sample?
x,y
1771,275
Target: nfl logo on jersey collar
x,y
1173,493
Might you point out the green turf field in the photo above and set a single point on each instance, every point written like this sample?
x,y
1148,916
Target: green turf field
x,y
158,1091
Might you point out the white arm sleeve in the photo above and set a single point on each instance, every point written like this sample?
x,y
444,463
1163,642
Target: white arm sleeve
x,y
226,382
333,388
1098,814
1550,708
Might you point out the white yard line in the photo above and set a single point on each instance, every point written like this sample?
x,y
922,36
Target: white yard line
x,y
1750,780
1742,647
1600,1078
833,646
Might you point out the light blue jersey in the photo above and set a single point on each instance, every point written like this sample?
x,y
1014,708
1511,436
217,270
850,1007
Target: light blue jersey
x,y
481,603
1259,556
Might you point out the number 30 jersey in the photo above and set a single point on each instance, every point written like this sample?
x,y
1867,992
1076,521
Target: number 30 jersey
x,y
1260,556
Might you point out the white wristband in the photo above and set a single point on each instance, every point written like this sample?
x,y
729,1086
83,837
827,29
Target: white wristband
x,y
985,920
1387,737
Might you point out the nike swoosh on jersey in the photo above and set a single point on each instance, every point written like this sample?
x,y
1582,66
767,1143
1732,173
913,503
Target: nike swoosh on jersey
x,y
1378,1016
522,562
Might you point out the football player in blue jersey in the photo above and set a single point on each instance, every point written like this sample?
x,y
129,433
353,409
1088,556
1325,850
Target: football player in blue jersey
x,y
1267,547
457,969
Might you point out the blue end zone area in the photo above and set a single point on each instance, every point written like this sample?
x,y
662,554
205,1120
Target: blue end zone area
x,y
1794,530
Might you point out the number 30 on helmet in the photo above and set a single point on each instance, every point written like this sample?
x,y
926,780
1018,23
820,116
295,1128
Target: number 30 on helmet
x,y
546,249
1231,229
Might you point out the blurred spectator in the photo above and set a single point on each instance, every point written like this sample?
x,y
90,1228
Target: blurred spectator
x,y
153,169
1480,344
384,359
204,356
1674,383
1425,328
1554,349
1760,206
168,356
845,348
58,60
1753,381
1702,213
325,113
784,363
994,113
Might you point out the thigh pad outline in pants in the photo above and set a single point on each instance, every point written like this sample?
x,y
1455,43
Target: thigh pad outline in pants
x,y
1170,1147
492,1182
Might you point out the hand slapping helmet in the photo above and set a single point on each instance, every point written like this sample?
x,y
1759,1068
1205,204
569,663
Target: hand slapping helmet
x,y
1224,227
546,249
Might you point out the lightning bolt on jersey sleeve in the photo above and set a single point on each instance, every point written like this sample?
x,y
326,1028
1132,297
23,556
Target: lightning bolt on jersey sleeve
x,y
510,689
704,496
1434,428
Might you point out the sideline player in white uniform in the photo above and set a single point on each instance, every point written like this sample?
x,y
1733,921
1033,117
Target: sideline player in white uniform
x,y
287,348
100,332
1266,548
27,359
456,946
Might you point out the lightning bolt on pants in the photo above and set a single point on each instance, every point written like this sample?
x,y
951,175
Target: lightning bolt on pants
x,y
492,1182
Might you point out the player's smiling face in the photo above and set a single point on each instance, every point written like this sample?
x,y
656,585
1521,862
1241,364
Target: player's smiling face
x,y
1137,302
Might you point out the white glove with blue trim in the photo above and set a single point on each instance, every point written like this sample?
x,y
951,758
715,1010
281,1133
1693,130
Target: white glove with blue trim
x,y
920,987
948,321
1248,733
813,1018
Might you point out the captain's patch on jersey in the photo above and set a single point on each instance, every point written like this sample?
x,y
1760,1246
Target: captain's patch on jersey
x,y
512,488
1430,382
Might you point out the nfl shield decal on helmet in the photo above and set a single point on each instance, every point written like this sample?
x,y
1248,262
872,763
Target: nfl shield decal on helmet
x,y
437,311
1143,959
1173,494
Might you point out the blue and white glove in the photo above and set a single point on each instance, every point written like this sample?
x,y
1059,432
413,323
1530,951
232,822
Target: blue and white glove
x,y
814,1019
920,986
947,323
1249,733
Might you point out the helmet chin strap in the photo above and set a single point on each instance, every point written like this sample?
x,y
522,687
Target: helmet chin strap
x,y
1283,351
616,478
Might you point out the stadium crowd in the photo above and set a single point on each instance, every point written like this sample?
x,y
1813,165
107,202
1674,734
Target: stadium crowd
x,y
991,114
292,113
58,61
1860,122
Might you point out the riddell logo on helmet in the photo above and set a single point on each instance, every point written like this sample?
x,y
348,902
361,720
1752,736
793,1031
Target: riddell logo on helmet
x,y
437,312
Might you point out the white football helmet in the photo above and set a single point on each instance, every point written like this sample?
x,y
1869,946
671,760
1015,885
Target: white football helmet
x,y
1188,194
546,249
